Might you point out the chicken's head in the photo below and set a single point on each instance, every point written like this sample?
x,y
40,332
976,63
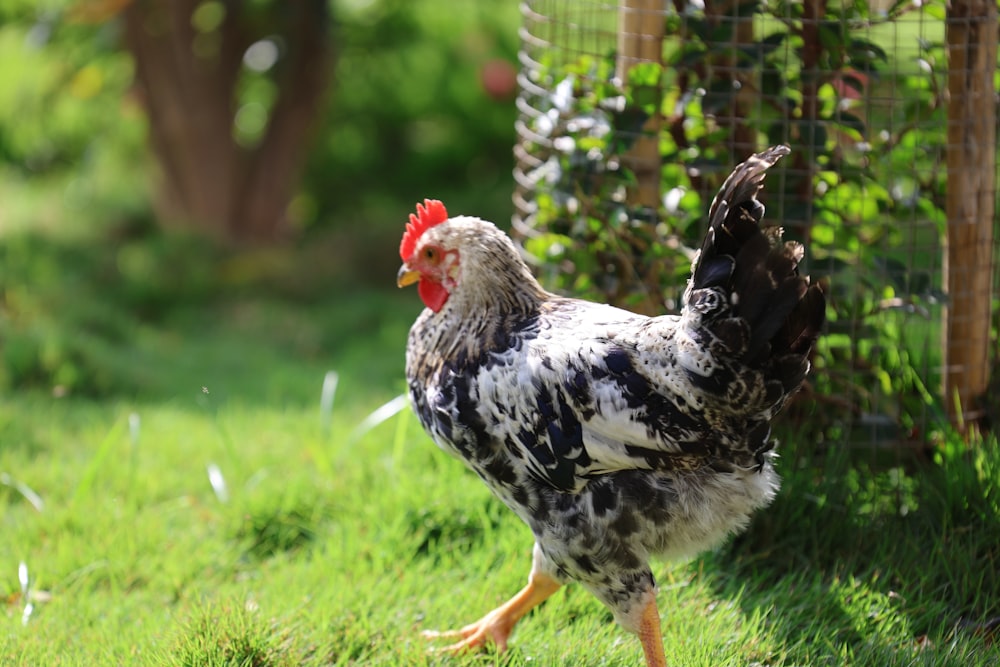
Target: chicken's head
x,y
464,261
426,259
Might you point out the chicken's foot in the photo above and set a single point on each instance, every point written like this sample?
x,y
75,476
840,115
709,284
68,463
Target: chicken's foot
x,y
497,625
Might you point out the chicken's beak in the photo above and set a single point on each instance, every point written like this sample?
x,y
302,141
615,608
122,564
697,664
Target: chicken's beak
x,y
406,276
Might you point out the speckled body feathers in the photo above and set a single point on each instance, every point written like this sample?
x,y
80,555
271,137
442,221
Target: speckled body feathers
x,y
614,436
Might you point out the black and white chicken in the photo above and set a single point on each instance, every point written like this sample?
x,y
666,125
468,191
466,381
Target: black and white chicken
x,y
615,437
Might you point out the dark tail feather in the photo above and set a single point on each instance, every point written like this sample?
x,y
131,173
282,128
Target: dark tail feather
x,y
734,214
745,282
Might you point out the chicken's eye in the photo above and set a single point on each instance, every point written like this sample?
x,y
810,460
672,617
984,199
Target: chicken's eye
x,y
432,254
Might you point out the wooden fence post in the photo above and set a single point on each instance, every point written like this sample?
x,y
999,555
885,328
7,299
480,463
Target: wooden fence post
x,y
640,40
971,208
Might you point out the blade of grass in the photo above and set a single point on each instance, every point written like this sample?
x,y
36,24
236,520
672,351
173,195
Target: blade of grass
x,y
399,438
315,449
25,580
134,431
25,490
326,397
97,463
218,482
380,414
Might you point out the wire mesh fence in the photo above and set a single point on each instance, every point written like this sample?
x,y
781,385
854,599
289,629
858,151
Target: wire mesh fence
x,y
632,113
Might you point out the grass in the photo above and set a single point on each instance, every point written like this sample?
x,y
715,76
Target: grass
x,y
315,544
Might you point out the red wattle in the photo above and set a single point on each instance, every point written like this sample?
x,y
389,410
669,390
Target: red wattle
x,y
433,294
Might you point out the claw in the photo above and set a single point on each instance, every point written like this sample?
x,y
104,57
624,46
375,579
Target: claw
x,y
494,628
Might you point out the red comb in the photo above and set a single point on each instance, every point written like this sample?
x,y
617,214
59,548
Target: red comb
x,y
430,213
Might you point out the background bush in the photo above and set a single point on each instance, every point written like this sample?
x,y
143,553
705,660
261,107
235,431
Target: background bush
x,y
421,106
864,186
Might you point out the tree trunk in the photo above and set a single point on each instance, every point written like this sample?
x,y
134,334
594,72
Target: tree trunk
x,y
188,81
971,158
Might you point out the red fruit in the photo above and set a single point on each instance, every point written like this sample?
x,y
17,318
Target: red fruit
x,y
499,79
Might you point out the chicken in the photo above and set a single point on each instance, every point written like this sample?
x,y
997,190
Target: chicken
x,y
615,437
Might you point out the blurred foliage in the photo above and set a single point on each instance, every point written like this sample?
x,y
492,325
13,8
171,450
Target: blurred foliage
x,y
137,317
61,88
72,151
422,106
420,109
69,309
864,185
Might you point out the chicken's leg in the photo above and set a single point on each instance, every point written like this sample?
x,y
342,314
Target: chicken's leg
x,y
649,635
498,624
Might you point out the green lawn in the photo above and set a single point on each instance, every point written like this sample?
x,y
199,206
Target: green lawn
x,y
323,544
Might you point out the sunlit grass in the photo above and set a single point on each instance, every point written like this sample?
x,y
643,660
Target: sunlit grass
x,y
228,513
217,506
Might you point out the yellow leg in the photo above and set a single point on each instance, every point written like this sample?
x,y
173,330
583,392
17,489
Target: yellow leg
x,y
649,635
497,625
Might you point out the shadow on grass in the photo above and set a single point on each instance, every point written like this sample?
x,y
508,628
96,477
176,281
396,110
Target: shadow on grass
x,y
876,562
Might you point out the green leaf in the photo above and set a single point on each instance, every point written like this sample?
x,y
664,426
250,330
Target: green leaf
x,y
936,10
823,234
850,121
870,48
645,75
